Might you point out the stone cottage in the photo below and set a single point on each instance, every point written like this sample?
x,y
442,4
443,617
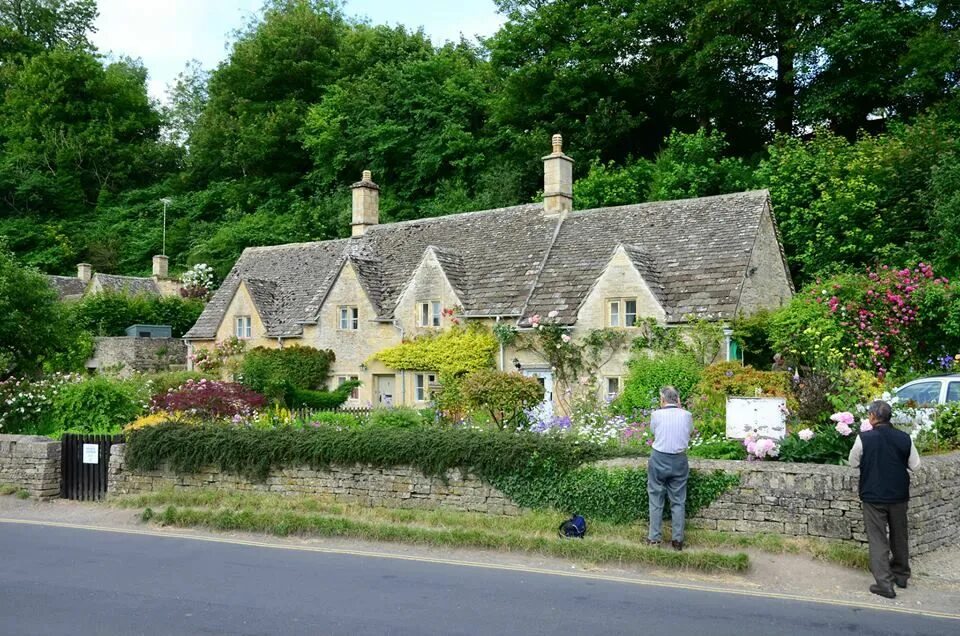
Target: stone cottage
x,y
86,282
713,257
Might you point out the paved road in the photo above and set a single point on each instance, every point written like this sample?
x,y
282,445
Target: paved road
x,y
71,581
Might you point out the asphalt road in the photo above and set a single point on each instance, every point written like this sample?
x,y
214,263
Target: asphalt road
x,y
71,581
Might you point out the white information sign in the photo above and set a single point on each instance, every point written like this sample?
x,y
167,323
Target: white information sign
x,y
765,416
91,453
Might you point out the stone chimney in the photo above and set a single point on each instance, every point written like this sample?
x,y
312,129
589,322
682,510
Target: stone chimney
x,y
557,180
366,204
84,272
160,264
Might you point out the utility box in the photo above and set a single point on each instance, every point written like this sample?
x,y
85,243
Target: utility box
x,y
149,331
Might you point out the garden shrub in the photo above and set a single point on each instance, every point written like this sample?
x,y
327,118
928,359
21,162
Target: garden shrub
x,y
109,313
27,403
753,334
453,351
396,417
647,375
346,420
96,405
268,371
210,399
947,425
504,396
321,400
163,382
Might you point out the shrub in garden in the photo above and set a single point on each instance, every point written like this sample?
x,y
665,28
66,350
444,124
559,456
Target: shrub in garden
x,y
161,383
27,404
503,396
947,426
725,379
97,405
648,374
210,399
457,350
343,420
396,417
825,443
269,371
321,400
109,313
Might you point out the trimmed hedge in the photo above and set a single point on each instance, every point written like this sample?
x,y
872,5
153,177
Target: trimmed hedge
x,y
535,471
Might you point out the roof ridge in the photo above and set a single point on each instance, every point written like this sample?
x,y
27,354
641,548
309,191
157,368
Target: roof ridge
x,y
712,197
443,217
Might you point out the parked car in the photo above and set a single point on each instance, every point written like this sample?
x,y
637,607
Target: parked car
x,y
929,392
914,402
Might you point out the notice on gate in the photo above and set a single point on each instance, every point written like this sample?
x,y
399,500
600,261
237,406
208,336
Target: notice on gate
x,y
762,416
91,453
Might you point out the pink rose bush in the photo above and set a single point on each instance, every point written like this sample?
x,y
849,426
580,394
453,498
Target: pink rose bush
x,y
759,448
805,434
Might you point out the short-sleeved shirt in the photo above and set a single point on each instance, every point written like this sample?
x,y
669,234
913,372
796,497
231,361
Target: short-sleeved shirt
x,y
672,427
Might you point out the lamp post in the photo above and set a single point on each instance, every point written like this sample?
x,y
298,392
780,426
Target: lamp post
x,y
166,201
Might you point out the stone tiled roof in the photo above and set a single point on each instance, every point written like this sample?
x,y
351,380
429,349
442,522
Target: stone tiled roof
x,y
126,284
514,262
67,286
266,298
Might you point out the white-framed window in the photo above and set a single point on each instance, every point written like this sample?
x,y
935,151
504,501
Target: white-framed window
x,y
343,379
429,314
349,318
422,382
243,328
611,387
622,312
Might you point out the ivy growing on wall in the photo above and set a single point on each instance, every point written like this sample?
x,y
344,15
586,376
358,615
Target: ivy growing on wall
x,y
454,351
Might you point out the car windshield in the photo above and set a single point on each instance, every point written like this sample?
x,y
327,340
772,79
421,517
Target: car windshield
x,y
921,393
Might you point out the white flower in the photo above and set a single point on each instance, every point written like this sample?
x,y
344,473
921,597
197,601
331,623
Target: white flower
x,y
553,314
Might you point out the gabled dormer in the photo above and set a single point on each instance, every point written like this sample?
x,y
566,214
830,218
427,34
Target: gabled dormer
x,y
628,291
437,286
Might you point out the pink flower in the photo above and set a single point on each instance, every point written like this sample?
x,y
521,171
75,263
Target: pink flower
x,y
805,434
865,426
553,314
535,320
565,338
843,417
844,429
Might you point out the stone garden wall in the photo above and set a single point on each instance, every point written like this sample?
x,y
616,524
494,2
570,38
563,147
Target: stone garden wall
x,y
821,501
791,499
30,463
399,487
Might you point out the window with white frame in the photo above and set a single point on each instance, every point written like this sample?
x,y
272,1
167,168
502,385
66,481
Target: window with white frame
x,y
349,318
422,382
611,387
343,379
429,314
244,329
622,312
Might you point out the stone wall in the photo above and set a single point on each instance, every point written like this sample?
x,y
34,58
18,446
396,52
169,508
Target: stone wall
x,y
821,501
127,355
399,487
31,463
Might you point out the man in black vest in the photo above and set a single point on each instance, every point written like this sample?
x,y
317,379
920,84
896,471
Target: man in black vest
x,y
885,455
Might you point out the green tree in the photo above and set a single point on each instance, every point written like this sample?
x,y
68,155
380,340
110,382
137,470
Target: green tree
x,y
28,26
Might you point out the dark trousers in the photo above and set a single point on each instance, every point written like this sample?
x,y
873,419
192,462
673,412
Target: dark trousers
x,y
889,559
667,477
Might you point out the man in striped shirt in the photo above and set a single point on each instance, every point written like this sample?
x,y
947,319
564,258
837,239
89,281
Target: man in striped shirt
x,y
668,470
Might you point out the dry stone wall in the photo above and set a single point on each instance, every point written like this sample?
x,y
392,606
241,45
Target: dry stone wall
x,y
398,487
31,463
821,501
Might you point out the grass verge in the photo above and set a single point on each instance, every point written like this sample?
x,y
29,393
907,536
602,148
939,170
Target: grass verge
x,y
7,489
536,523
533,532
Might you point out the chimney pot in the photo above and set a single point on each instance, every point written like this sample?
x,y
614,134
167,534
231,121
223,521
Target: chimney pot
x,y
366,204
84,272
160,264
557,180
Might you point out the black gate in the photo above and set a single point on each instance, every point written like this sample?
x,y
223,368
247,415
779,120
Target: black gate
x,y
84,466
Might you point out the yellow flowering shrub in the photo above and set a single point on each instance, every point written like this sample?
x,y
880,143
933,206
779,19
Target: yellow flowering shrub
x,y
456,350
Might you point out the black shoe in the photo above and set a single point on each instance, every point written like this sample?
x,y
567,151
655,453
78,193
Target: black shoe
x,y
901,583
677,545
653,543
882,590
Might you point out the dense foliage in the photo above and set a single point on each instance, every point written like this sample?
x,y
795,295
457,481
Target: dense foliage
x,y
503,396
450,352
666,100
109,313
209,400
648,374
272,371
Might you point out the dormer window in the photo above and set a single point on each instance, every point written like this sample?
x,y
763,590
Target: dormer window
x,y
243,327
349,318
429,314
622,312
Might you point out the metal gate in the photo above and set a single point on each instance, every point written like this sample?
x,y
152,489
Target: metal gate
x,y
85,464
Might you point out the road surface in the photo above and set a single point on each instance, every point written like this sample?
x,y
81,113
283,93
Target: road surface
x,y
56,580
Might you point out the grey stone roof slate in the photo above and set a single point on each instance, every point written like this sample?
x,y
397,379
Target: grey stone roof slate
x,y
515,262
127,284
67,286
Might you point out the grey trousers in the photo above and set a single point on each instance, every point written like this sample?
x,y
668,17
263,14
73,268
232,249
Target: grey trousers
x,y
889,560
667,477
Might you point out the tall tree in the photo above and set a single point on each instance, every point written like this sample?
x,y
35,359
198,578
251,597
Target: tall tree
x,y
45,24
